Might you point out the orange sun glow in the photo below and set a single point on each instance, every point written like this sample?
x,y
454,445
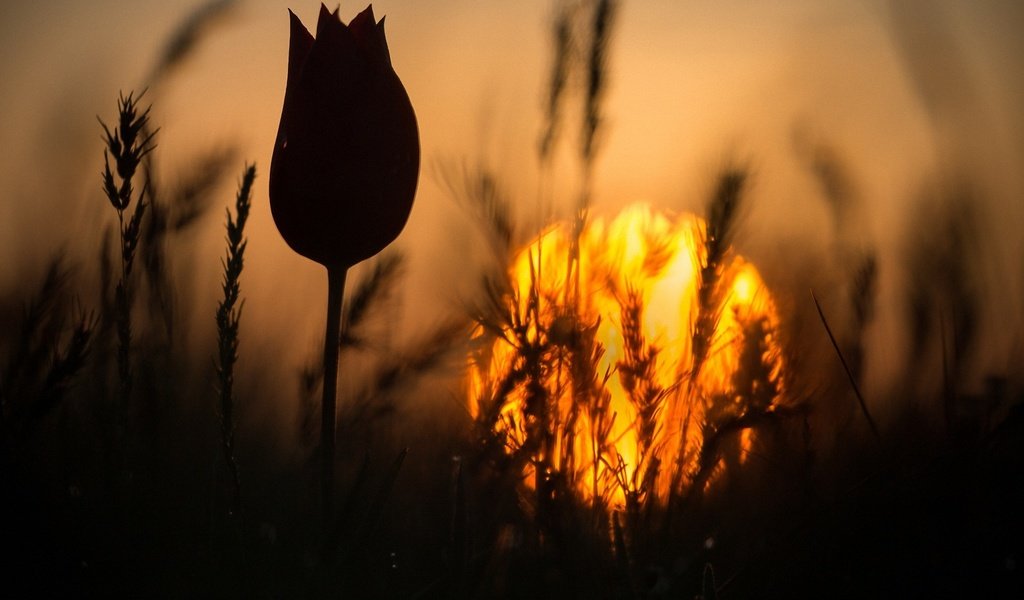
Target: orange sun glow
x,y
591,375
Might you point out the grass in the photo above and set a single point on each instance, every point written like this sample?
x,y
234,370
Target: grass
x,y
228,317
128,144
121,448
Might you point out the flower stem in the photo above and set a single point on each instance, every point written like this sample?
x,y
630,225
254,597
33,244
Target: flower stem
x,y
335,291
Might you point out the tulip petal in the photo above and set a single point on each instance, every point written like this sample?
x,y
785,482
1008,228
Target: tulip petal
x,y
369,37
333,59
363,21
383,40
298,49
325,15
327,21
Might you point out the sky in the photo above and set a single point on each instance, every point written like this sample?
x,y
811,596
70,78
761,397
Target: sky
x,y
693,85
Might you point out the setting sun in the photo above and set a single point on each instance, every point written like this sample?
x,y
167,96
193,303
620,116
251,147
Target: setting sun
x,y
622,402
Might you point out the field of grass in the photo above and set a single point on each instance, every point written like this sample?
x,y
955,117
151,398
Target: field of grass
x,y
124,471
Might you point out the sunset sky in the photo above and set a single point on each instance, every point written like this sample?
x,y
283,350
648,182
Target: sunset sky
x,y
693,85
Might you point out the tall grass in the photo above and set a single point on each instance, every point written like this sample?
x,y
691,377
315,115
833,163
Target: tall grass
x,y
438,507
49,350
228,317
128,143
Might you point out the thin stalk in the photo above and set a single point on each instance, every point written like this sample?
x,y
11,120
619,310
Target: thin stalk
x,y
229,313
332,341
849,373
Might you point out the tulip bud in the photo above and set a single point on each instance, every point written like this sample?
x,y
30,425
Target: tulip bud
x,y
347,155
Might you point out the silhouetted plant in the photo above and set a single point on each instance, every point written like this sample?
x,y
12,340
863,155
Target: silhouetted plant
x,y
849,372
174,211
563,51
228,316
46,356
722,212
345,167
637,374
184,39
128,143
602,21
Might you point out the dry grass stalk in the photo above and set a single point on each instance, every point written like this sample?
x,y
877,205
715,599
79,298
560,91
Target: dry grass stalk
x,y
228,316
66,363
603,19
173,213
38,321
186,37
397,372
561,67
555,371
722,213
849,373
46,355
128,143
750,403
373,289
863,292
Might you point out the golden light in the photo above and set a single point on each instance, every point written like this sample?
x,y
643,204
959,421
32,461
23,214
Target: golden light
x,y
589,377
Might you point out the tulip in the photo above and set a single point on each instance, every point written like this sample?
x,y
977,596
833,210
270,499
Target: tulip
x,y
345,165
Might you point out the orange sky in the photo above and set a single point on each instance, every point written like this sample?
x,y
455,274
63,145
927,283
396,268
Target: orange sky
x,y
693,83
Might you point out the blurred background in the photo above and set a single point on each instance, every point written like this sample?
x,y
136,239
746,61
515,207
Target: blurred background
x,y
916,101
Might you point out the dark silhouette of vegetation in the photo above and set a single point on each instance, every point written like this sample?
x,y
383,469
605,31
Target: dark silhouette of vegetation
x,y
228,317
121,449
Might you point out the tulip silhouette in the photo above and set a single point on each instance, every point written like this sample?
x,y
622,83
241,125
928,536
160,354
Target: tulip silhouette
x,y
345,165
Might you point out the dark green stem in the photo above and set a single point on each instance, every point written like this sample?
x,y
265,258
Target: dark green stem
x,y
335,291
